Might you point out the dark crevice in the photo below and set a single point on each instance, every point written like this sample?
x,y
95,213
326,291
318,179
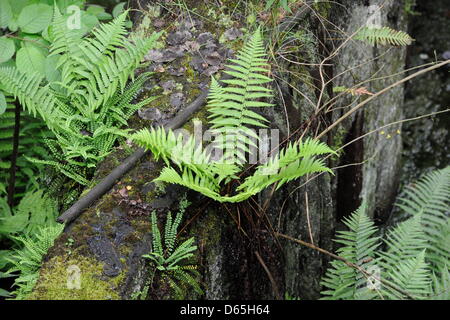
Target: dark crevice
x,y
349,183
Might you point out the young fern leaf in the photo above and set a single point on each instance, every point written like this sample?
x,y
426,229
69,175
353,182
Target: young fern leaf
x,y
296,160
383,36
415,262
27,261
171,260
230,106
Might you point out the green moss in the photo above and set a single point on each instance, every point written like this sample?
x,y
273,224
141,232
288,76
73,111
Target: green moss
x,y
52,284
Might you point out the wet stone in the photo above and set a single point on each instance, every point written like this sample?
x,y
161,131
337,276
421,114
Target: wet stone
x,y
153,114
204,37
178,72
104,251
232,34
178,37
168,86
177,99
148,187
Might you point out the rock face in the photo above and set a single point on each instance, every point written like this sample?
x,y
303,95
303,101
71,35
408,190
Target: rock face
x,y
239,257
426,144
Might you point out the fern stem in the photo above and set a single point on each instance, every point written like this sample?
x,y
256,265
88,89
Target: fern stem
x,y
15,152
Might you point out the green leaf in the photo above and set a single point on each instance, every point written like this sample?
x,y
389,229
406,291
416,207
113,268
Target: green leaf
x,y
51,73
5,13
2,103
7,49
30,59
95,9
35,18
118,9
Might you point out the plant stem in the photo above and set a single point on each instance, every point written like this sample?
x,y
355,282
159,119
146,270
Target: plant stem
x,y
15,152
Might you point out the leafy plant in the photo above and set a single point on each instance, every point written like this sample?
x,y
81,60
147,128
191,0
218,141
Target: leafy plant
x,y
415,261
24,223
90,99
34,211
383,36
171,260
231,112
277,4
30,140
25,45
27,260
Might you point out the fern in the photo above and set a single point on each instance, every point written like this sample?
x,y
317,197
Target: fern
x,y
429,201
230,106
89,103
34,211
230,118
383,36
359,244
27,261
415,262
171,260
31,135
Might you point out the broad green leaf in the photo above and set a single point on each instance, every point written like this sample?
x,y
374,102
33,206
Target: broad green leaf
x,y
51,73
118,9
2,103
95,9
7,49
104,16
18,6
13,26
35,18
30,59
5,13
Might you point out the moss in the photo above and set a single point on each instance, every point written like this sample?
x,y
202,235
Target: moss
x,y
52,284
323,8
339,138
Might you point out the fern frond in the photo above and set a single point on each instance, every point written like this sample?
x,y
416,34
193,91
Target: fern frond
x,y
230,106
441,285
412,275
359,245
405,241
27,88
383,36
27,261
428,198
296,160
190,180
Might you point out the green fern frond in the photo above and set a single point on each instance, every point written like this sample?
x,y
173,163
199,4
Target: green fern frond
x,y
405,241
429,199
230,106
27,261
359,245
412,276
30,92
87,107
441,285
296,160
383,36
171,260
